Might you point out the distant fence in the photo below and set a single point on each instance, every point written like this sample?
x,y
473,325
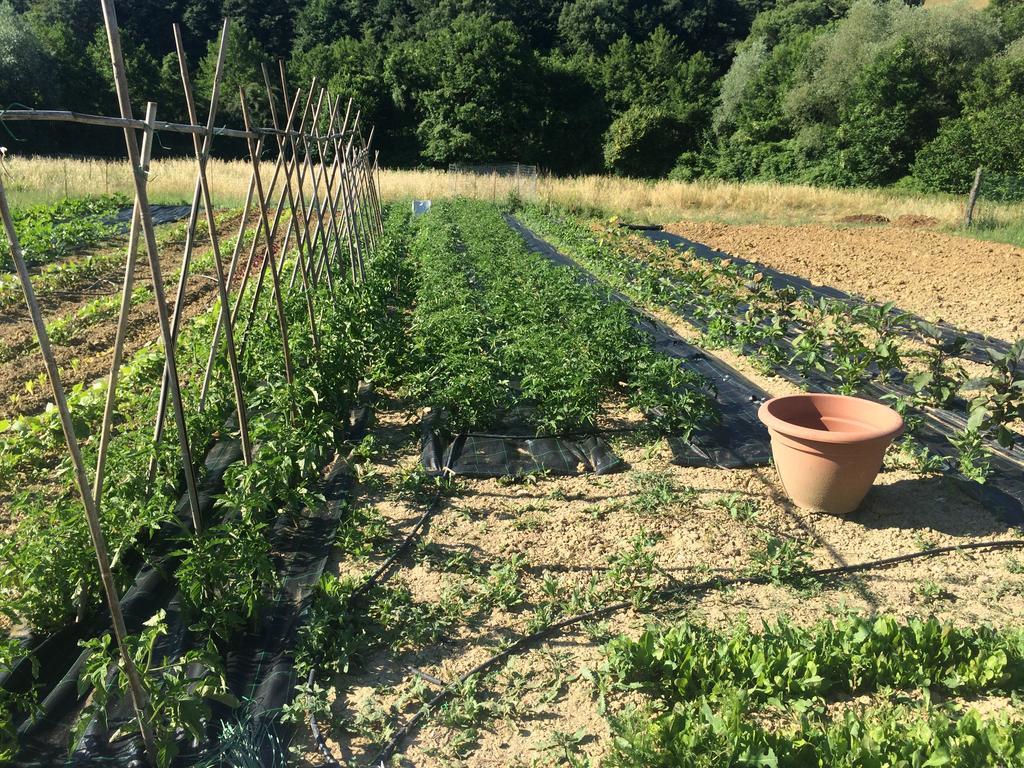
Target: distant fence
x,y
496,181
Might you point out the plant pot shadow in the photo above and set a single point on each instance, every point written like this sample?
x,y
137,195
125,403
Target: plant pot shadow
x,y
937,503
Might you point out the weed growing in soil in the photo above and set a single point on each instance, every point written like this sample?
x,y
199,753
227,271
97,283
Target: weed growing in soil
x,y
783,562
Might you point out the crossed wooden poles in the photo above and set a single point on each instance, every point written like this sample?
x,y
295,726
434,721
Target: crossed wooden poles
x,y
327,188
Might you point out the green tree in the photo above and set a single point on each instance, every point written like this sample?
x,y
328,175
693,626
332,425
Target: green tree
x,y
644,141
472,89
242,69
26,66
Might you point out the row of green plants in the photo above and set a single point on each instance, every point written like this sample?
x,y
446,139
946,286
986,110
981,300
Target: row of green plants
x,y
225,572
78,269
851,345
497,329
781,695
50,231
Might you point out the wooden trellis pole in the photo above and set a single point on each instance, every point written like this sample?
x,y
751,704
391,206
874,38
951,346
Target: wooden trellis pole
x,y
202,155
122,319
99,543
299,257
255,241
272,237
236,252
269,261
342,201
349,219
186,258
329,207
139,178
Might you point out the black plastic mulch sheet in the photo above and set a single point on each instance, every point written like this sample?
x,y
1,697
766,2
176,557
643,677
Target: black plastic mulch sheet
x,y
259,664
783,279
162,214
740,440
44,738
484,455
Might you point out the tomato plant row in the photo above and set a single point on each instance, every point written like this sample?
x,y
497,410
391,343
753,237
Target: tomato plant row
x,y
496,329
225,572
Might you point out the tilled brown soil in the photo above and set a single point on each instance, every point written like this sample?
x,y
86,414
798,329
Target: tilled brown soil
x,y
974,285
571,529
87,354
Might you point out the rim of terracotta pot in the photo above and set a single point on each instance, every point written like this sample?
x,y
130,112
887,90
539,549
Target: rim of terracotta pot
x,y
880,421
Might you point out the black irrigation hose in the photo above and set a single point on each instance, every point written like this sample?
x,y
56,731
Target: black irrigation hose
x,y
528,640
373,578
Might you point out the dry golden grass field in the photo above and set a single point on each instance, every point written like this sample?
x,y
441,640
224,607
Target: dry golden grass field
x,y
41,179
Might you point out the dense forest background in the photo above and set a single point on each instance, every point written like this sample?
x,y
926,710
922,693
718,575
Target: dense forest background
x,y
837,92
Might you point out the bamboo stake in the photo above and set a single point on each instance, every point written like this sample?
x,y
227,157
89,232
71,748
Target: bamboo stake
x,y
124,102
202,154
122,318
327,207
255,242
273,235
236,252
137,693
308,294
269,260
66,116
346,202
186,257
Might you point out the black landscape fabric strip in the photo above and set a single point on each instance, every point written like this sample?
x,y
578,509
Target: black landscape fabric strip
x,y
740,440
479,455
161,214
44,737
975,352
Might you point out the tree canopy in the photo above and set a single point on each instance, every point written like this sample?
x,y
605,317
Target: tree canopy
x,y
840,92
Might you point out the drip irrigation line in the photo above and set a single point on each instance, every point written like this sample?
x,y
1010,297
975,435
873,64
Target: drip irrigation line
x,y
3,122
371,580
527,640
430,511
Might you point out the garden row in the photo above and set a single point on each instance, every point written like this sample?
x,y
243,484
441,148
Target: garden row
x,y
498,333
223,573
848,347
49,232
780,696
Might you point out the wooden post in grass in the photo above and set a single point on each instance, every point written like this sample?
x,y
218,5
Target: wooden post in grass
x,y
122,318
136,691
972,199
139,178
202,151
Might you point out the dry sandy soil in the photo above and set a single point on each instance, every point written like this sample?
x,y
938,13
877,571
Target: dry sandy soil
x,y
570,528
974,285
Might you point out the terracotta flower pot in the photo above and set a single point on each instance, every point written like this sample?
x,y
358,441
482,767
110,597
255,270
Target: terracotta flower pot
x,y
828,448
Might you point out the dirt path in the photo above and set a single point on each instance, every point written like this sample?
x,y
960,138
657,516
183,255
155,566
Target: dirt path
x,y
974,285
570,531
